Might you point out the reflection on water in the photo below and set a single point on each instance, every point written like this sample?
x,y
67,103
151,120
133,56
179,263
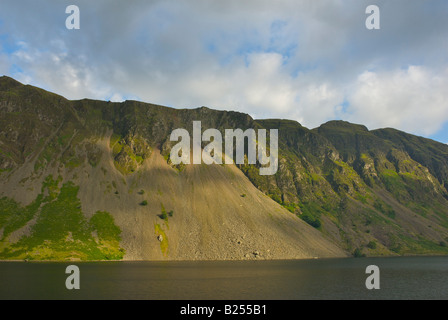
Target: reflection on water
x,y
401,278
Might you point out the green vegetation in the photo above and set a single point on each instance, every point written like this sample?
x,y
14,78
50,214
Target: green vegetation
x,y
104,224
113,140
164,215
311,213
404,244
164,243
61,230
13,217
394,184
276,197
129,152
291,207
144,203
358,253
371,245
312,221
384,208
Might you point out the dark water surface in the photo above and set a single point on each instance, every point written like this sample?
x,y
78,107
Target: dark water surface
x,y
400,278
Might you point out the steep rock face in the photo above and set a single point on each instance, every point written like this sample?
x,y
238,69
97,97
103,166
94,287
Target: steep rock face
x,y
365,189
379,192
91,180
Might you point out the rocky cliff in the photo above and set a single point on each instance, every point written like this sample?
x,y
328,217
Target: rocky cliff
x,y
93,180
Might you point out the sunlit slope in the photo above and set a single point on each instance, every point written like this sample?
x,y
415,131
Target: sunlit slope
x,y
93,179
77,185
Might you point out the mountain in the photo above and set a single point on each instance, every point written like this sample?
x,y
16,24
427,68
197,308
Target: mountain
x,y
92,180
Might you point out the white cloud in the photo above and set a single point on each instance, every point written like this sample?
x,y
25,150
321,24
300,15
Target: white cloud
x,y
413,100
302,60
4,64
117,98
264,85
318,103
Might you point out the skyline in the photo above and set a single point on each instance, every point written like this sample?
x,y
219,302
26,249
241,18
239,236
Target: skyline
x,y
303,61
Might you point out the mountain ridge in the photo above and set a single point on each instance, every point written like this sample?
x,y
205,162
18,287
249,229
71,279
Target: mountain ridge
x,y
340,189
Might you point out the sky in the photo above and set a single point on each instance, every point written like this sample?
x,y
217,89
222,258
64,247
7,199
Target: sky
x,y
310,61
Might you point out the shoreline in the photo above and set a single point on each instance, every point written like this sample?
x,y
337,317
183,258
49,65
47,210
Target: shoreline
x,y
234,260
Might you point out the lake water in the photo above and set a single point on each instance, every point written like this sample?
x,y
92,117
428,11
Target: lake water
x,y
400,278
